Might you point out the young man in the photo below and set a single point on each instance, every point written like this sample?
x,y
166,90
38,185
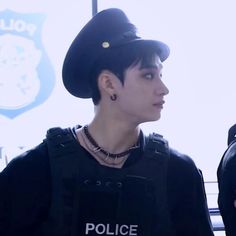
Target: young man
x,y
107,178
226,174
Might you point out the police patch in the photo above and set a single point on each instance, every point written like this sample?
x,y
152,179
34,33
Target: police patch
x,y
26,74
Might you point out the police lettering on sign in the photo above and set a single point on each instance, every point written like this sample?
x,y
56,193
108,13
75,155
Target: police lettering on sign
x,y
18,26
108,229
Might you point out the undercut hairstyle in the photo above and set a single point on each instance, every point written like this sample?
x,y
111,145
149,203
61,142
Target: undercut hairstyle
x,y
118,60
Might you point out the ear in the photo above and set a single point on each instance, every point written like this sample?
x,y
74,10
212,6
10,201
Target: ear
x,y
107,82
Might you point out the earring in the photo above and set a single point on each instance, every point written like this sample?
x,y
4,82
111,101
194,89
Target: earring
x,y
113,97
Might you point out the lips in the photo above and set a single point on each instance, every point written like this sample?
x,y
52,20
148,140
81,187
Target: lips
x,y
159,104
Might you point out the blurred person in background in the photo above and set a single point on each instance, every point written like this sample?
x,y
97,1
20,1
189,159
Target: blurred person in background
x,y
226,174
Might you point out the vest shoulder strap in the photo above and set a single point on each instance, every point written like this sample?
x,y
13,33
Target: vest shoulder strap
x,y
60,141
156,146
62,147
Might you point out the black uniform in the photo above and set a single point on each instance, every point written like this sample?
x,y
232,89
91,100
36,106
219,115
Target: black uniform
x,y
26,193
226,174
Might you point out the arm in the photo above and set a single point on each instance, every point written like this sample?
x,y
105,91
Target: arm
x,y
202,213
4,196
189,210
24,193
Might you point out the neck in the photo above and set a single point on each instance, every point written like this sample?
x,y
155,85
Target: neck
x,y
113,135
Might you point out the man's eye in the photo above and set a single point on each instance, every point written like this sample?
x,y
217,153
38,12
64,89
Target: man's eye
x,y
149,75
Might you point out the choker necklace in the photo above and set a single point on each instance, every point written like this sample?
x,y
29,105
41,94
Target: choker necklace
x,y
97,148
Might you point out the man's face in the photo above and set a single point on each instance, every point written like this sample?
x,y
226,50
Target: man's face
x,y
141,99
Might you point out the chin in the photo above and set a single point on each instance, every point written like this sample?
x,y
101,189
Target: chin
x,y
153,118
157,118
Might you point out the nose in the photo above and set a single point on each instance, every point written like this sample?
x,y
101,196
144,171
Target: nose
x,y
162,88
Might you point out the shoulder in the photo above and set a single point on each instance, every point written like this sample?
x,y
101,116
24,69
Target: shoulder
x,y
229,158
183,170
226,169
181,161
33,162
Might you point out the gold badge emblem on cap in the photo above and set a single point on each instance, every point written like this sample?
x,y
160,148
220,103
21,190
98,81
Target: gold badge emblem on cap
x,y
105,44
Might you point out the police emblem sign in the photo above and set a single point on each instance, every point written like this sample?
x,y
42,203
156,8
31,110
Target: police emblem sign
x,y
26,74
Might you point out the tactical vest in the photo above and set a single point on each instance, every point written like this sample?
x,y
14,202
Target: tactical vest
x,y
91,199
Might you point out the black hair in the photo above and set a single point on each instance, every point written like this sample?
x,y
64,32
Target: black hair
x,y
117,60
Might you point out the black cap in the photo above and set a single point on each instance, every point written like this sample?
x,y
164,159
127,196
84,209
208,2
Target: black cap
x,y
107,29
